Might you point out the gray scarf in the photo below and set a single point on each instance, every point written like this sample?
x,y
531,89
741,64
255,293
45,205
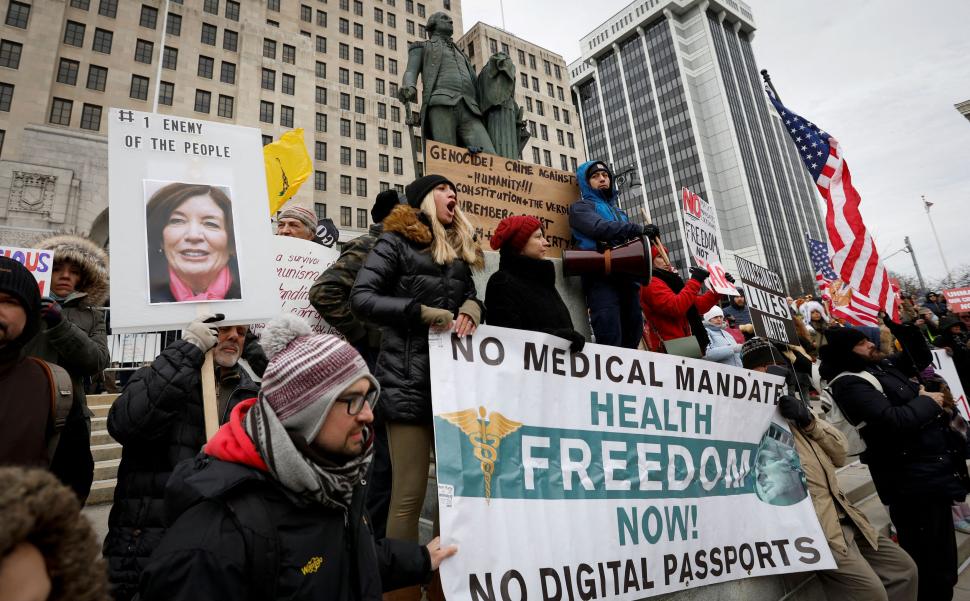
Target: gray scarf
x,y
305,480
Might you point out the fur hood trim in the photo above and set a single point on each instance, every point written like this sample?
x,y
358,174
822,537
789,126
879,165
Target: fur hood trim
x,y
89,257
409,223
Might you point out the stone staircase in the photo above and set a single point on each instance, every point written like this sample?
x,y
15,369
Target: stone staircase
x,y
106,452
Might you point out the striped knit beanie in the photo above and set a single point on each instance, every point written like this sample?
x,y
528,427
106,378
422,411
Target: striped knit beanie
x,y
306,372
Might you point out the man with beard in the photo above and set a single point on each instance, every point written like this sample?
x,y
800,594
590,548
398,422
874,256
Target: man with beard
x,y
917,462
736,312
159,421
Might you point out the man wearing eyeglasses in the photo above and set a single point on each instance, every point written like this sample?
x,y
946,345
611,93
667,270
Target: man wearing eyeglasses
x,y
274,506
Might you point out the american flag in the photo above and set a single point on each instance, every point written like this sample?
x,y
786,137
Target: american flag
x,y
851,248
858,312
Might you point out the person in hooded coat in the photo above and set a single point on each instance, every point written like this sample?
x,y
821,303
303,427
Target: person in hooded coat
x,y
73,336
598,223
522,293
954,338
722,348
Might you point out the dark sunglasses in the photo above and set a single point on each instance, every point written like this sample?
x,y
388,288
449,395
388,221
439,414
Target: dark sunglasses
x,y
355,404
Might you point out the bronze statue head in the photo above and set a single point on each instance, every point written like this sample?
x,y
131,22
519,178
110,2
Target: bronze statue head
x,y
440,23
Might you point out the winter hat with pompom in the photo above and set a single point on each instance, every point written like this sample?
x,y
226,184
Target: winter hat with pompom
x,y
306,372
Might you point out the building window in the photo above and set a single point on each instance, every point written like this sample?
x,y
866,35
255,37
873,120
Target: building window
x,y
286,116
6,96
102,41
143,51
535,84
392,66
81,4
563,163
232,10
547,158
535,155
321,95
410,27
170,58
320,151
209,33
269,48
565,116
358,105
540,109
67,72
362,159
344,211
362,213
321,70
289,84
344,102
398,166
358,80
379,86
10,54
228,73
321,122
166,93
289,54
343,76
320,183
321,18
173,25
149,17
97,78
225,106
211,6
544,131
139,88
18,14
267,139
345,155
268,80
532,61
108,8
202,101
345,128
344,52
381,111
321,44
391,19
361,130
392,42
395,114
358,31
382,136
265,111
273,5
230,40
383,163
525,80
396,139
74,34
60,111
345,189
319,207
205,66
91,117
359,56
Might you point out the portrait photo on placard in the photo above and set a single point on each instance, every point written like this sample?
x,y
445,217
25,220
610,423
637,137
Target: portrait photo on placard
x,y
191,243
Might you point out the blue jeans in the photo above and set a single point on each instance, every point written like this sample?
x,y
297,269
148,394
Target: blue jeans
x,y
614,311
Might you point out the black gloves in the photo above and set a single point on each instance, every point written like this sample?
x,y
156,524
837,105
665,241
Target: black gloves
x,y
651,231
729,277
576,340
699,273
792,408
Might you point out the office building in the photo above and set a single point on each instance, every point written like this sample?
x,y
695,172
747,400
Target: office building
x,y
671,91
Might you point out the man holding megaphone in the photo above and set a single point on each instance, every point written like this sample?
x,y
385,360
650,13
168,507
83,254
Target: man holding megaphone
x,y
598,223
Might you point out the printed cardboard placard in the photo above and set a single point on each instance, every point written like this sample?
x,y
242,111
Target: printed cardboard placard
x,y
38,262
610,473
189,222
700,229
491,188
943,365
767,302
957,299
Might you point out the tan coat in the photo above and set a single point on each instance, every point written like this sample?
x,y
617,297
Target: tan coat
x,y
821,449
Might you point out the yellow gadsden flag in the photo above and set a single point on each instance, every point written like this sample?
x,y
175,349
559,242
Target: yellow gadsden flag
x,y
287,166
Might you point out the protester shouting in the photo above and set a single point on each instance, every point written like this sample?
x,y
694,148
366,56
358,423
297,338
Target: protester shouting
x,y
159,421
297,222
672,308
72,335
274,507
597,222
917,462
418,276
869,565
522,293
722,348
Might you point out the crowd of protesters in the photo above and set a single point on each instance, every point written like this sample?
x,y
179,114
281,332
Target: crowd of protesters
x,y
325,443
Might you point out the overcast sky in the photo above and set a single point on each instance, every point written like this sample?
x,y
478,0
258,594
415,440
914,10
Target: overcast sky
x,y
881,76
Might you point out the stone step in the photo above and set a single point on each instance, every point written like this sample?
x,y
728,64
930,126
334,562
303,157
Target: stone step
x,y
100,437
101,399
106,470
102,491
106,452
99,423
100,410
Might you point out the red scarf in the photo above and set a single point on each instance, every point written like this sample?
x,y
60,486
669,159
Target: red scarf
x,y
231,443
216,291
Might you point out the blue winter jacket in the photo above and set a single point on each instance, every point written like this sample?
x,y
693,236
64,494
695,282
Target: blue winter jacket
x,y
594,219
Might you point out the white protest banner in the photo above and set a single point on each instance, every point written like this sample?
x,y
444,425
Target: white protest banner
x,y
298,264
610,473
943,365
38,262
189,222
700,228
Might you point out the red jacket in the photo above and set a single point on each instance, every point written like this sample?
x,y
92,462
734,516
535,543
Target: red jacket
x,y
666,312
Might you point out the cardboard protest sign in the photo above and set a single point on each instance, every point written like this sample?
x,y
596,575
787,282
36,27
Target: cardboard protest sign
x,y
183,194
944,366
765,294
38,262
700,229
957,299
491,188
298,265
652,474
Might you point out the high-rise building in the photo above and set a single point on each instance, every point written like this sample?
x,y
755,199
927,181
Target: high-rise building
x,y
331,68
670,90
541,89
964,108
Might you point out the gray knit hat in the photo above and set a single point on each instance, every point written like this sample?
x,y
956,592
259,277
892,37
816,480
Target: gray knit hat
x,y
306,372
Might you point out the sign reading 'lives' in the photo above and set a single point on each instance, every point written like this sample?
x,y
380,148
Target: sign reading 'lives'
x,y
767,302
610,473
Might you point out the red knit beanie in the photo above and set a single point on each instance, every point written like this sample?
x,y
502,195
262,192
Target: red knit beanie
x,y
515,232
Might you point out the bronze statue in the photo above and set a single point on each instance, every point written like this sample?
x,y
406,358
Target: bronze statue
x,y
503,117
449,103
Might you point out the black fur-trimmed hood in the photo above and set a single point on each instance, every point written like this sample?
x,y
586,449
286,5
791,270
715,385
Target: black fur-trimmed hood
x,y
89,257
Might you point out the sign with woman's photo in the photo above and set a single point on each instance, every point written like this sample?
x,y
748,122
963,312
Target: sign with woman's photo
x,y
183,195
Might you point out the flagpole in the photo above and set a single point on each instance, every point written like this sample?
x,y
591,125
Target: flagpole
x,y
939,247
919,275
767,78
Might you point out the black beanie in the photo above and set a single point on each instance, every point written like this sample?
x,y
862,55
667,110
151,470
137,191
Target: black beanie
x,y
419,188
383,205
596,168
19,283
837,355
759,352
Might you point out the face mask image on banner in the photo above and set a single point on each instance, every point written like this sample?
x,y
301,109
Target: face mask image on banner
x,y
779,479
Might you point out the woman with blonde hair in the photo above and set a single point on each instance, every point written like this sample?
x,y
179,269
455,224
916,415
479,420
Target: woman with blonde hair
x,y
417,277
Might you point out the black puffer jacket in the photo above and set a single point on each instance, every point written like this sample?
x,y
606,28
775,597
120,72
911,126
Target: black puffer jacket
x,y
398,277
158,420
226,513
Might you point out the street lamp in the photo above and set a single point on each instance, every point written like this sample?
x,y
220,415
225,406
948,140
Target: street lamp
x,y
926,205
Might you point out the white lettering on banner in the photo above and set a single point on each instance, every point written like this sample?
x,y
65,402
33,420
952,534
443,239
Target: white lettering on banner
x,y
700,228
618,466
958,299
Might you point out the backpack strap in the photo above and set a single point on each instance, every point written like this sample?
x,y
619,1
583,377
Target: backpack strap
x,y
61,398
251,517
864,375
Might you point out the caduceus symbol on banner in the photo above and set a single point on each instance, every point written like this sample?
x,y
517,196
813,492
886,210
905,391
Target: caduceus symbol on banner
x,y
485,436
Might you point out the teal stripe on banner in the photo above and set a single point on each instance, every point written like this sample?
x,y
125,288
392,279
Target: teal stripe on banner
x,y
701,467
